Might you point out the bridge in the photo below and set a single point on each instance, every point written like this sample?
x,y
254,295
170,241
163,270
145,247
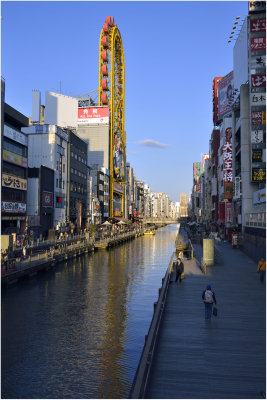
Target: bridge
x,y
159,221
188,357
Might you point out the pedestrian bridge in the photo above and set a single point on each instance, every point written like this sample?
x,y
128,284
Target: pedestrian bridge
x,y
160,221
188,357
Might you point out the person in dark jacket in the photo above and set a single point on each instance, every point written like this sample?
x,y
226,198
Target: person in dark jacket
x,y
179,269
209,298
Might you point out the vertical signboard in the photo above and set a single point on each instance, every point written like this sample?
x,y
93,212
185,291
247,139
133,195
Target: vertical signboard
x,y
227,157
257,65
225,89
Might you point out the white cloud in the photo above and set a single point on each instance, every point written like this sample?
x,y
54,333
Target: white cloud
x,y
152,143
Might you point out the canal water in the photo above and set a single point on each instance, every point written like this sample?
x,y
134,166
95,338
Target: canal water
x,y
78,331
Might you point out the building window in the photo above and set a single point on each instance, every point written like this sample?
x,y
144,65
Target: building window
x,y
57,183
63,168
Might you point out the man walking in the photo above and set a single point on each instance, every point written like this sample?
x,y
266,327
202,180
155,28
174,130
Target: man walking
x,y
179,270
209,298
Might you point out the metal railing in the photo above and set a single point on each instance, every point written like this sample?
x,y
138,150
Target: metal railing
x,y
141,377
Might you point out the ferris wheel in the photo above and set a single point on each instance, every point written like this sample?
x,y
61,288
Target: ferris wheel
x,y
112,94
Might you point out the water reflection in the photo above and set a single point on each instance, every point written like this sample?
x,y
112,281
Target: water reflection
x,y
78,331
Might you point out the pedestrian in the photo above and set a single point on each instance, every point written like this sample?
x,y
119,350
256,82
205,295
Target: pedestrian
x,y
262,269
24,251
6,259
209,298
181,255
179,270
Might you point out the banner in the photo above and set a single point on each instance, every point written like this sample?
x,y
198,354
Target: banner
x,y
13,182
257,25
13,207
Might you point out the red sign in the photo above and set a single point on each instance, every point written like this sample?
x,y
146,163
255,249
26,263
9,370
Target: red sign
x,y
227,161
258,80
47,200
93,115
258,43
198,188
258,117
257,25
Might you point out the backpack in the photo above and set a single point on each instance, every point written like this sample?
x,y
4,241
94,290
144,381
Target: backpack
x,y
208,298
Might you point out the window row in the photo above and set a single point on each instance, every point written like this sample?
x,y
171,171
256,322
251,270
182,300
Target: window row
x,y
79,158
15,148
77,187
75,172
60,184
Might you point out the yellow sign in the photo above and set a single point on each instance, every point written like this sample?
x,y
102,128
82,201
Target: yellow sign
x,y
14,158
14,182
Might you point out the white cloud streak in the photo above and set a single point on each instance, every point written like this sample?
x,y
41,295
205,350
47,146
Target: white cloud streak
x,y
152,143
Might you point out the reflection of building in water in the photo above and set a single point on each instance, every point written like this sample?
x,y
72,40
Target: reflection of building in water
x,y
114,385
183,211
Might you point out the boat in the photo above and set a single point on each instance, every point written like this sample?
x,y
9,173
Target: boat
x,y
149,232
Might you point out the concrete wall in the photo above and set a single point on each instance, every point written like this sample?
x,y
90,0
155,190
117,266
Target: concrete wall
x,y
254,244
97,138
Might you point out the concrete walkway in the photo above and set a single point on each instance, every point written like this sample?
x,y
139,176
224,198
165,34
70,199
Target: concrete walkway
x,y
221,358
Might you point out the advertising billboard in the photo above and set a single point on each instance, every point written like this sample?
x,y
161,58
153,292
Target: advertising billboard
x,y
118,157
225,89
13,207
258,43
93,115
197,168
258,117
258,80
215,85
13,182
47,199
15,158
258,25
258,175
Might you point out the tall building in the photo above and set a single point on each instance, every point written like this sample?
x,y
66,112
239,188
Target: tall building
x,y
14,156
48,146
183,211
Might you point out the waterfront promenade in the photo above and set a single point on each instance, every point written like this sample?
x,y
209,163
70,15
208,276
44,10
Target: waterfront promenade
x,y
221,358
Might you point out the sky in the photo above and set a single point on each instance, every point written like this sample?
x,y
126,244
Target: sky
x,y
172,50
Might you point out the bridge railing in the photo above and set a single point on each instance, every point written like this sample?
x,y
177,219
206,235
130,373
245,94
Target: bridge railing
x,y
141,377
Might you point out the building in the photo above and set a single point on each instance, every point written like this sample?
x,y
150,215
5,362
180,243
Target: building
x,y
14,156
76,203
40,200
48,147
183,209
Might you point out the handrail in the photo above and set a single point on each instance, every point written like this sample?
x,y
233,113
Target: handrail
x,y
140,381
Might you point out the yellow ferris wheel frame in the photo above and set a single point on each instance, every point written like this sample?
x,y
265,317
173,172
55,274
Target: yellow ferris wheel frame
x,y
115,99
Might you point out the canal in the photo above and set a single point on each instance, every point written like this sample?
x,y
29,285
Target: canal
x,y
78,331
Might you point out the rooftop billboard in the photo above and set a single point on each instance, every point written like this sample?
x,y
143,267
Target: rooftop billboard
x,y
93,115
225,89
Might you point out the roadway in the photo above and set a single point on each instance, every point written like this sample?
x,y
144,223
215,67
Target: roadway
x,y
221,358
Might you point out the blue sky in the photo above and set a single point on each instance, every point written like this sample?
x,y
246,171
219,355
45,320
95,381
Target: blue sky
x,y
172,50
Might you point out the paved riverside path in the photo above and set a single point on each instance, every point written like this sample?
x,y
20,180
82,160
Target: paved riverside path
x,y
221,358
